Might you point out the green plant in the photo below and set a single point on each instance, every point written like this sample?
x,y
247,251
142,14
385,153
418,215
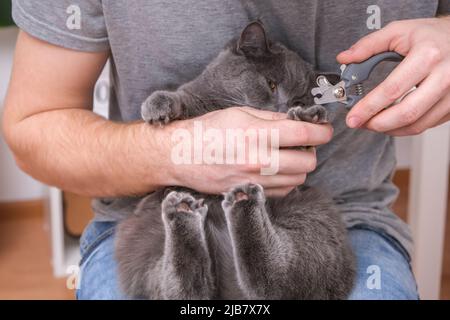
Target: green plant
x,y
5,13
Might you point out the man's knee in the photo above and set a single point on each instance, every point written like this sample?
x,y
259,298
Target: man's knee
x,y
383,271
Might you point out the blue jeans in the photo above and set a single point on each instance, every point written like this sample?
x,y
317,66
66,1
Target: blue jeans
x,y
383,266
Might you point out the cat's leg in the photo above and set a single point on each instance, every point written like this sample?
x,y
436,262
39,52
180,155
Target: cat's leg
x,y
186,264
259,249
314,114
162,107
298,253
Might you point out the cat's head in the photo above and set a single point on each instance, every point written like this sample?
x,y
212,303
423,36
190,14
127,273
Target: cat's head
x,y
255,72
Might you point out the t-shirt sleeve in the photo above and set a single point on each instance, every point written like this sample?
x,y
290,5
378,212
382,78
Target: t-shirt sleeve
x,y
78,25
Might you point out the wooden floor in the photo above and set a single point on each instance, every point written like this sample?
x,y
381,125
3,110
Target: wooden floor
x,y
25,267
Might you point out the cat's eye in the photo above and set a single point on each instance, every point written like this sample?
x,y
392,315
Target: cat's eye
x,y
272,85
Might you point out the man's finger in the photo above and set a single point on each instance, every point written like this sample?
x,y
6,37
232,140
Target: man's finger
x,y
406,75
297,161
443,120
434,117
292,162
278,192
279,181
413,106
293,133
373,43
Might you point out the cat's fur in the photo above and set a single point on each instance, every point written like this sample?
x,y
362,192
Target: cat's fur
x,y
181,244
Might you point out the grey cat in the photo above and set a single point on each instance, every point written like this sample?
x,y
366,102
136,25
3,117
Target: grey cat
x,y
180,244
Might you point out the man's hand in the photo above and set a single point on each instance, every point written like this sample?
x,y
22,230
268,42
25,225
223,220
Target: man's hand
x,y
215,178
425,43
56,138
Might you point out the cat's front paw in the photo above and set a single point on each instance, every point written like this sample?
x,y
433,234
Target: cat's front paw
x,y
250,191
161,107
182,203
313,114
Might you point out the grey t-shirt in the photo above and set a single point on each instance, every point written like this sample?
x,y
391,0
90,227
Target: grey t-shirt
x,y
159,43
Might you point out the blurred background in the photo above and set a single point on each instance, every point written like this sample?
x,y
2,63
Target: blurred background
x,y
40,226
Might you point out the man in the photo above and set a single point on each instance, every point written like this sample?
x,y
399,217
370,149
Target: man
x,y
57,139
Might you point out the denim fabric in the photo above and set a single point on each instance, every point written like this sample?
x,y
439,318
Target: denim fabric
x,y
98,274
375,250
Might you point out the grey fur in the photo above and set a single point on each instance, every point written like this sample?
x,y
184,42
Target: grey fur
x,y
180,244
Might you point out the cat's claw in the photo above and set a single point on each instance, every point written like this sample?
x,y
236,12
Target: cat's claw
x,y
159,108
176,203
250,191
313,114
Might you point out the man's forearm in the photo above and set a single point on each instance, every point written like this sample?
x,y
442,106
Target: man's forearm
x,y
79,151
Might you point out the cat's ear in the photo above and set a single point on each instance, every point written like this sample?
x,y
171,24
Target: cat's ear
x,y
253,40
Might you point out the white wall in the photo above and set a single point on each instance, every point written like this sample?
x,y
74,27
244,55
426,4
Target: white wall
x,y
403,147
14,184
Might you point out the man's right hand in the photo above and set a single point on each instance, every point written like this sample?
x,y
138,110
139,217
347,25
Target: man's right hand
x,y
293,166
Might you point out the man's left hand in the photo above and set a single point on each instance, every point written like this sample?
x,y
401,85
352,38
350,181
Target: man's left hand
x,y
425,43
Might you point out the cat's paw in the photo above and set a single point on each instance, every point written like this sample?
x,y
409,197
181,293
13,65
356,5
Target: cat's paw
x,y
313,114
160,107
182,203
250,191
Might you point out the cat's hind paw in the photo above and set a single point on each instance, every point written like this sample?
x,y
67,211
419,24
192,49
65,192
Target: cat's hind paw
x,y
313,114
250,191
179,203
